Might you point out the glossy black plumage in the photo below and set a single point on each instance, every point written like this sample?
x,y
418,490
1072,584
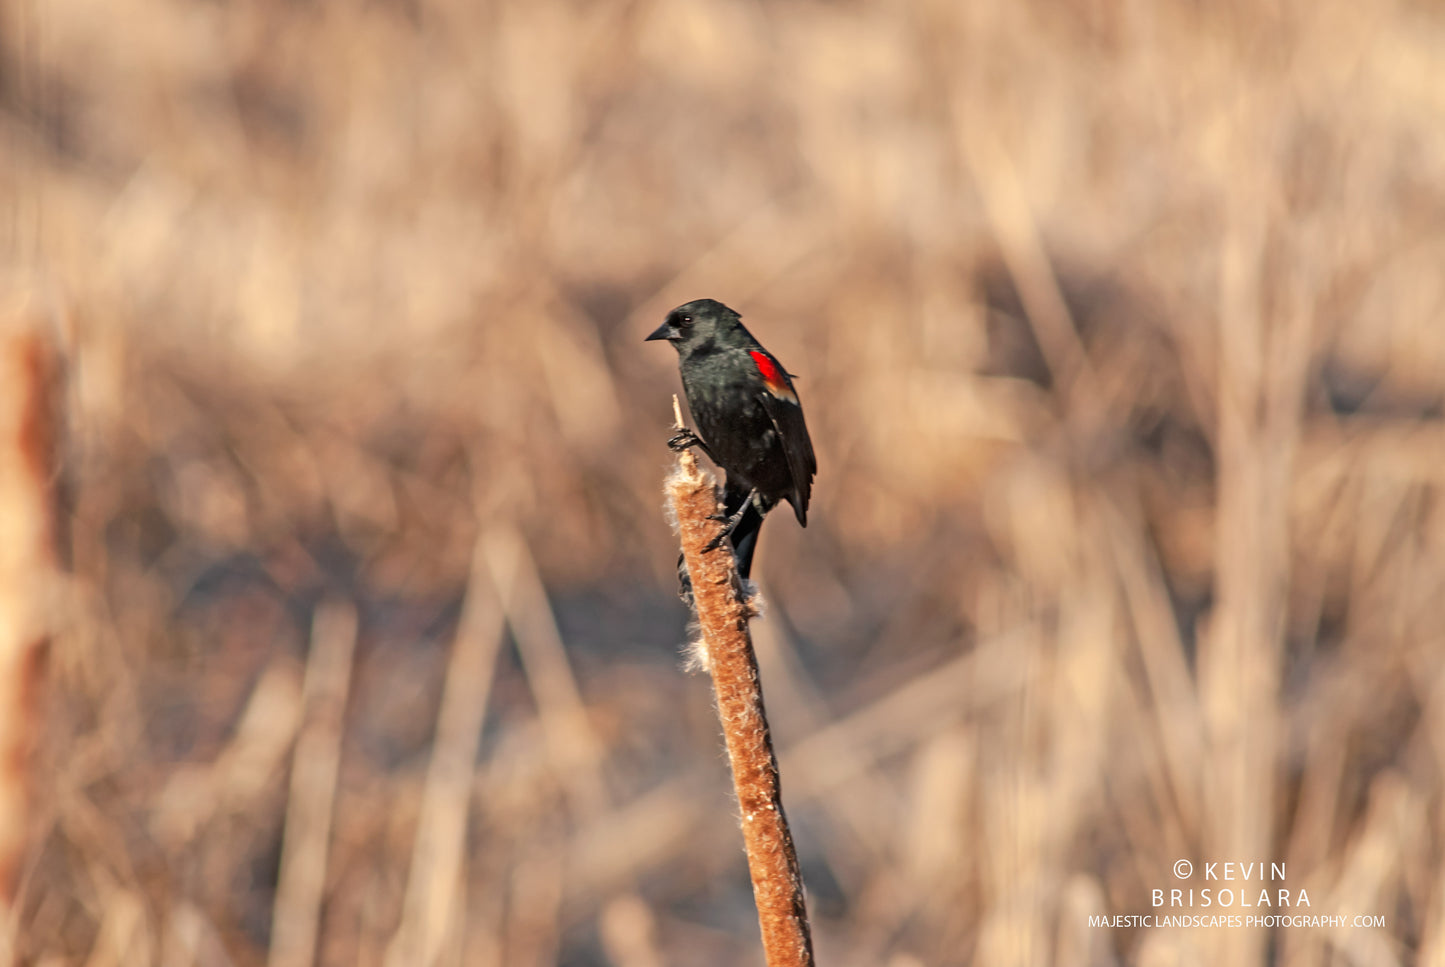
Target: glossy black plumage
x,y
747,413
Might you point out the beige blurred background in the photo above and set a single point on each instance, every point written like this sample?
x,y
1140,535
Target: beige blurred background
x,y
1119,332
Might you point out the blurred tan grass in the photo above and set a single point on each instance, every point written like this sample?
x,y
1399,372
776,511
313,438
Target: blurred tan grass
x,y
1118,329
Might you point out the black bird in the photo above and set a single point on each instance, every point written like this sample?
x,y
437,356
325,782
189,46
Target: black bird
x,y
748,415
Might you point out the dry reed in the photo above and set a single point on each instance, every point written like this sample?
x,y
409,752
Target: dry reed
x,y
29,575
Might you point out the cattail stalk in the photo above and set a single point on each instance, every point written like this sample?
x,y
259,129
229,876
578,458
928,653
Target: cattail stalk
x,y
722,614
28,572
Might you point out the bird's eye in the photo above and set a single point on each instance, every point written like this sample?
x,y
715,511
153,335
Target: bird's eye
x,y
685,321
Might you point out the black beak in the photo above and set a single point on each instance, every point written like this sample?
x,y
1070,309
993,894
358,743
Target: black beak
x,y
661,332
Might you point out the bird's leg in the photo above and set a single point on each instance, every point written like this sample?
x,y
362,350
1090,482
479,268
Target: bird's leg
x,y
731,521
745,540
685,439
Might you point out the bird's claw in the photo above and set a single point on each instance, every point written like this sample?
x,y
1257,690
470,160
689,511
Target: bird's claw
x,y
684,439
716,542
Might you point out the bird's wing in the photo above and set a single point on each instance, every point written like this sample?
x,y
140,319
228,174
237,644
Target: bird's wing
x,y
782,406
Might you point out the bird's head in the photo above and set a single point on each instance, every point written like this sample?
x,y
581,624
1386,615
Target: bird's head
x,y
695,323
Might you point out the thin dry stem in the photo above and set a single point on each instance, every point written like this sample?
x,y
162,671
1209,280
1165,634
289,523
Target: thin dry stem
x,y
722,617
299,892
572,744
439,847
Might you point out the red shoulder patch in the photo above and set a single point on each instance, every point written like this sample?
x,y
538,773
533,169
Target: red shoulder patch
x,y
767,367
772,375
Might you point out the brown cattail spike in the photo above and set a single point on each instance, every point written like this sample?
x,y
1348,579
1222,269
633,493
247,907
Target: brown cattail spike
x,y
722,616
28,568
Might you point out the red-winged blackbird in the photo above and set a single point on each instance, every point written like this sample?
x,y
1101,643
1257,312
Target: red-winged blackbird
x,y
749,417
